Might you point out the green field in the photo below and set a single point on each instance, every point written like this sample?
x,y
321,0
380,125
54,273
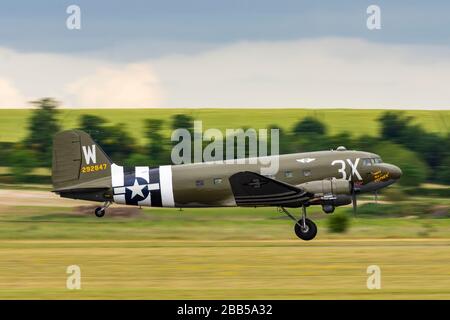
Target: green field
x,y
225,270
13,123
224,253
31,223
218,253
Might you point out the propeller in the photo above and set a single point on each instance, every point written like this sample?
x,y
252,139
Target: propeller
x,y
354,202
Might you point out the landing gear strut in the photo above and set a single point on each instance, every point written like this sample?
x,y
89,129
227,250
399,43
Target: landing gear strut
x,y
100,211
304,228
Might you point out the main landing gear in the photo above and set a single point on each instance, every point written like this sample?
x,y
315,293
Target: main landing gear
x,y
304,228
100,211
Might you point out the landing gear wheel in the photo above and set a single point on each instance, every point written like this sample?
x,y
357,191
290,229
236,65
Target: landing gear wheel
x,y
99,212
308,232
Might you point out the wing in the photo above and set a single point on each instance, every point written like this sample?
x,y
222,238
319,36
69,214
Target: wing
x,y
252,189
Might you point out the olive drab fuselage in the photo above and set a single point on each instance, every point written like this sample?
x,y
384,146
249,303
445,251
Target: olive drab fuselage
x,y
82,170
207,184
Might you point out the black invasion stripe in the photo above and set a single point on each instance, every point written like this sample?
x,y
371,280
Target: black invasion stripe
x,y
155,194
129,178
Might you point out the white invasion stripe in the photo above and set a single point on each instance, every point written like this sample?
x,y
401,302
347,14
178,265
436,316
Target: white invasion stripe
x,y
153,186
143,172
119,198
165,178
119,190
117,175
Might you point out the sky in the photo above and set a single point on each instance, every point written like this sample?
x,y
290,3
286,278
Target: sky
x,y
226,54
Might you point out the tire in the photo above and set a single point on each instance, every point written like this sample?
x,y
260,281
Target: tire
x,y
99,212
309,233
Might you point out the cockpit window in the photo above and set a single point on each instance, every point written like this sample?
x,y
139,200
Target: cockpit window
x,y
371,161
377,160
367,162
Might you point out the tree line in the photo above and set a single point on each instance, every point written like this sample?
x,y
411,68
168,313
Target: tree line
x,y
423,156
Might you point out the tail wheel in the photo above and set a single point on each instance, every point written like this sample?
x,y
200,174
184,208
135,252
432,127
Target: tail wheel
x,y
307,232
99,212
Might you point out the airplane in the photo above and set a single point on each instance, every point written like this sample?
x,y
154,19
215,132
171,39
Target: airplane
x,y
332,178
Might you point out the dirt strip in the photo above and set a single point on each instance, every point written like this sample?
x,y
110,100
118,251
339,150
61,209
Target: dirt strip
x,y
36,198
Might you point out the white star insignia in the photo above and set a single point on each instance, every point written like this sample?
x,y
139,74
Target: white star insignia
x,y
136,189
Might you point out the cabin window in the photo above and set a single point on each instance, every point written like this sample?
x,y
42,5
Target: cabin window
x,y
217,180
288,174
199,183
307,172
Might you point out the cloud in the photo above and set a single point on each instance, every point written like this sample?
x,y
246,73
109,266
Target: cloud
x,y
79,81
329,72
9,95
325,72
129,86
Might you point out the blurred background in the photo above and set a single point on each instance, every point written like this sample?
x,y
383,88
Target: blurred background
x,y
133,72
157,253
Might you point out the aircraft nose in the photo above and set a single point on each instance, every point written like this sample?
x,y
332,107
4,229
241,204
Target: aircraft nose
x,y
395,172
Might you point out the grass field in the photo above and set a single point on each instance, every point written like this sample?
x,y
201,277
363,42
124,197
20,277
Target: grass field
x,y
154,269
217,253
227,253
13,123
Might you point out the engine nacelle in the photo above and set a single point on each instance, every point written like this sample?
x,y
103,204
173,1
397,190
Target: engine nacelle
x,y
329,193
327,187
328,205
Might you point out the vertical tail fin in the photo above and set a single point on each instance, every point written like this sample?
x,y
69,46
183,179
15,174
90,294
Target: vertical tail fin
x,y
79,162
